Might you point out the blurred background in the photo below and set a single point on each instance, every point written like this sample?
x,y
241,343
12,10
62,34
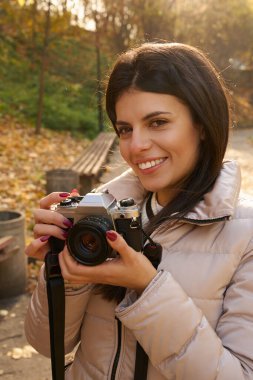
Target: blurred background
x,y
55,54
54,59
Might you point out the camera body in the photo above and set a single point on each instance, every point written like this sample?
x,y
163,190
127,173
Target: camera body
x,y
92,215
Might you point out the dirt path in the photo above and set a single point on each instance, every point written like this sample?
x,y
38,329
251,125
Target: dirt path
x,y
32,366
241,149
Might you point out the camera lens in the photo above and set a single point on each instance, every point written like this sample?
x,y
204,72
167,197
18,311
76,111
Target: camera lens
x,y
87,240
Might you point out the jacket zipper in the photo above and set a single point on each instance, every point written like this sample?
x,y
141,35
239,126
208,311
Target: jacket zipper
x,y
206,221
117,355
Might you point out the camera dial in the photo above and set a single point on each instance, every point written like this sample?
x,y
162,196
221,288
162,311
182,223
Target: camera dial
x,y
71,201
127,202
66,203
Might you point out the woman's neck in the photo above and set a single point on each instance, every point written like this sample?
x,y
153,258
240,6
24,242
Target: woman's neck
x,y
164,197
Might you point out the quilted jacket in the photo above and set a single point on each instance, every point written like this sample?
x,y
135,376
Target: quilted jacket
x,y
194,320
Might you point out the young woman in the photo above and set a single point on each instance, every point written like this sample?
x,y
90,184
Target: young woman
x,y
193,315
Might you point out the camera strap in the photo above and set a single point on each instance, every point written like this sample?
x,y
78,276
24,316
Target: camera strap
x,y
56,310
153,251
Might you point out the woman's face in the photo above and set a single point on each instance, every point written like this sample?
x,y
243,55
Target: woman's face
x,y
158,139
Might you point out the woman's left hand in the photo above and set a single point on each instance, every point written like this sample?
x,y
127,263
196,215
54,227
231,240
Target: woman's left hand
x,y
130,269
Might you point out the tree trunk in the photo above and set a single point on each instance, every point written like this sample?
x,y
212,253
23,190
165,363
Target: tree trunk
x,y
98,63
43,66
34,21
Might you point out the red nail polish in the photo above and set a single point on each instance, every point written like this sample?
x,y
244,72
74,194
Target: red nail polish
x,y
64,234
64,195
111,235
44,238
67,223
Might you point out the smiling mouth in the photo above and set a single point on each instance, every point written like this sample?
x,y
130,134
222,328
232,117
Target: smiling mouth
x,y
150,164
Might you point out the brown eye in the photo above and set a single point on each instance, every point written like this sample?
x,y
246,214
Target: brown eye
x,y
157,123
124,131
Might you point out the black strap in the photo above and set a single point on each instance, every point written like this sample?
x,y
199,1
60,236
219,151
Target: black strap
x,y
56,308
149,210
141,359
141,363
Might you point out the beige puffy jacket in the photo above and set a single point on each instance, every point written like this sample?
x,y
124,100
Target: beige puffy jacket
x,y
195,320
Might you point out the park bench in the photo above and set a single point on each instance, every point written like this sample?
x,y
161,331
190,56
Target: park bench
x,y
90,164
84,173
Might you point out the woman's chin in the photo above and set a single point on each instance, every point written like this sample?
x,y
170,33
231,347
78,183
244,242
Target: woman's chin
x,y
153,188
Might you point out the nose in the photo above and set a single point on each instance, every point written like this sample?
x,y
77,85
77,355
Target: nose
x,y
140,140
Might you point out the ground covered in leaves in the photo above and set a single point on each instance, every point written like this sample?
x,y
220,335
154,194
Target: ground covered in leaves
x,y
24,159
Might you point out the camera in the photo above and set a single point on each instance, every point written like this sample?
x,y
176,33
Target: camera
x,y
92,215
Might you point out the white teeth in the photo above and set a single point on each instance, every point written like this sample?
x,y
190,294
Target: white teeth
x,y
150,164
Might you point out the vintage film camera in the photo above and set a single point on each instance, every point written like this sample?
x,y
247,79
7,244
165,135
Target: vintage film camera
x,y
92,215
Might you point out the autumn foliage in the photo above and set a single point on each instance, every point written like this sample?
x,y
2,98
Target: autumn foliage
x,y
24,160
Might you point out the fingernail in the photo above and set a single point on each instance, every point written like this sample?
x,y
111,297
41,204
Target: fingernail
x,y
67,223
111,235
74,191
64,234
44,238
64,195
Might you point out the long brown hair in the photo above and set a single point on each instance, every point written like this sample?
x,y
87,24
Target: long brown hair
x,y
186,73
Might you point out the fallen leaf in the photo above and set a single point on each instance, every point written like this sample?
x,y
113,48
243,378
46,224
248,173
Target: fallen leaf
x,y
3,313
19,353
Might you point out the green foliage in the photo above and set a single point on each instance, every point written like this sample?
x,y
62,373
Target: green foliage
x,y
222,29
69,107
70,84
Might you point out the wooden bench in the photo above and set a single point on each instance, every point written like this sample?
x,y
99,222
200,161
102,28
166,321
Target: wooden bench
x,y
85,171
90,164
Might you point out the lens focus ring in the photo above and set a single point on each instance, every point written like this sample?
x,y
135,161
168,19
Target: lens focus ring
x,y
87,241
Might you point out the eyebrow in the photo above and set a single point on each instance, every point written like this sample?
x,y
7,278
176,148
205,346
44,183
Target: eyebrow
x,y
146,117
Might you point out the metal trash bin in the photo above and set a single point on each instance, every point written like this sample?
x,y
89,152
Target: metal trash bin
x,y
61,180
13,262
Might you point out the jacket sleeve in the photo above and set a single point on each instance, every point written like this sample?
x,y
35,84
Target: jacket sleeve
x,y
177,337
37,323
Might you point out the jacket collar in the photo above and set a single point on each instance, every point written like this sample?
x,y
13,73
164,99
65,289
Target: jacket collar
x,y
216,205
220,202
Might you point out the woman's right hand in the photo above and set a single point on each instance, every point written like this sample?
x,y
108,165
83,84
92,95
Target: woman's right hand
x,y
47,223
